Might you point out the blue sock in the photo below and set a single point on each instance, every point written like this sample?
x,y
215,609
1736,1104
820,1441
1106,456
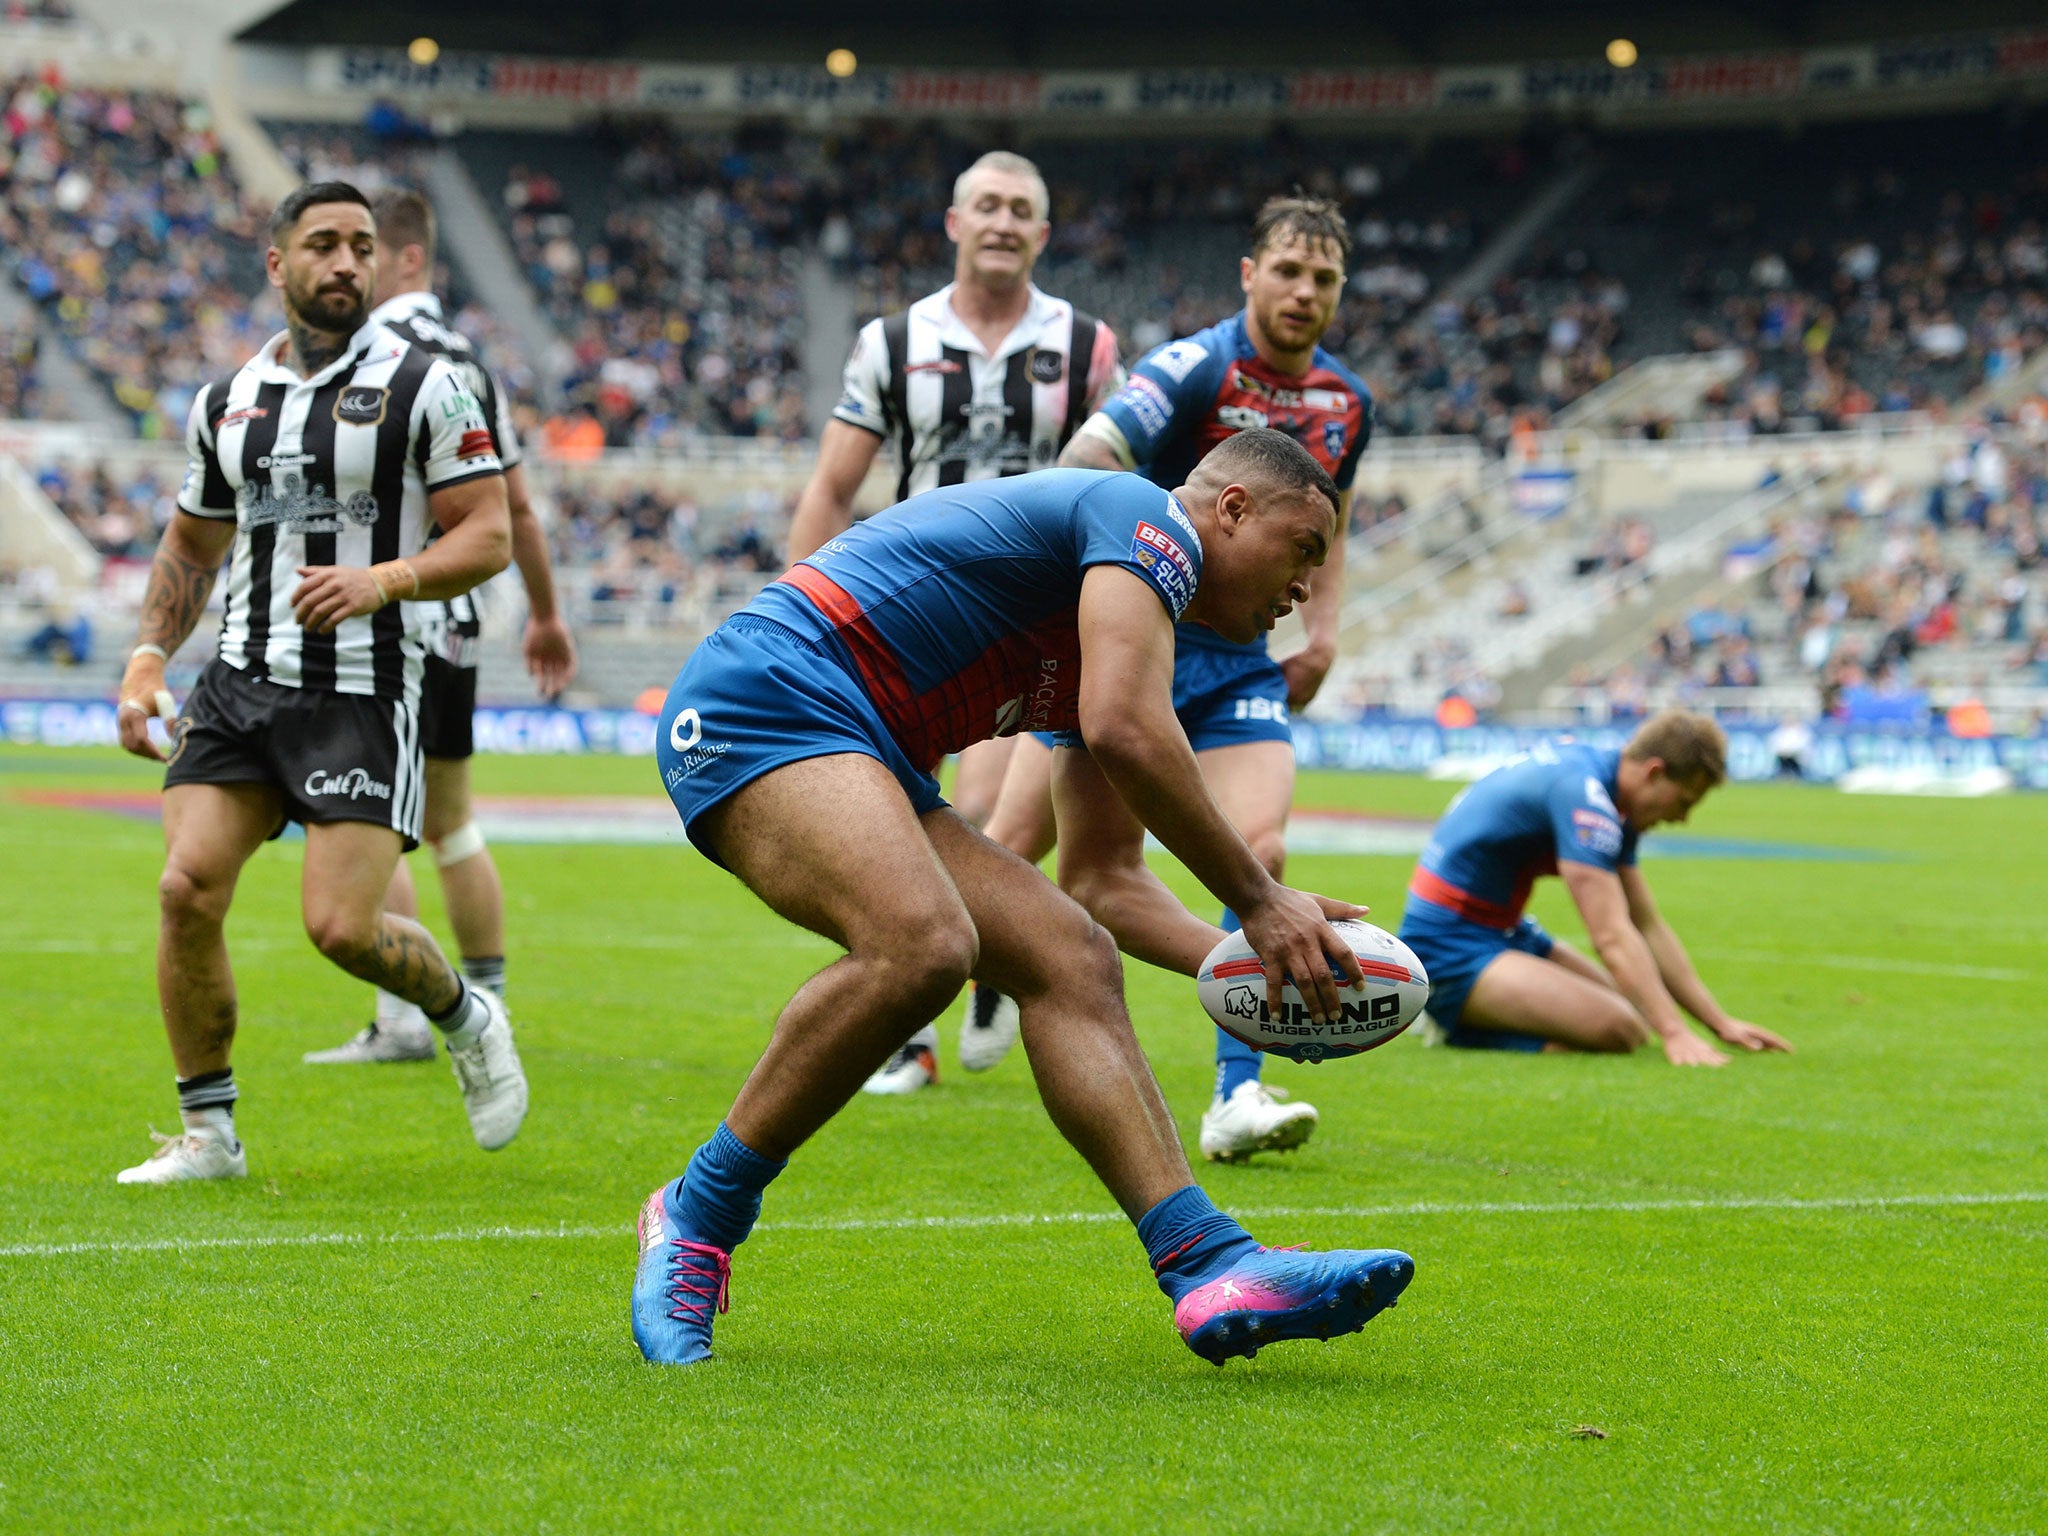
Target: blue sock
x,y
1236,1062
718,1198
1188,1239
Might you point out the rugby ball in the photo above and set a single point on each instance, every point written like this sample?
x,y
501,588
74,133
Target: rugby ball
x,y
1232,986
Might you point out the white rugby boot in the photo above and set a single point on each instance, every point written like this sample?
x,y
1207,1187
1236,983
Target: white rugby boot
x,y
493,1082
408,1037
989,1029
915,1065
1253,1119
188,1155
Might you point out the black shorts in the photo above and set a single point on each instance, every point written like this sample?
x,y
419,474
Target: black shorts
x,y
332,756
447,707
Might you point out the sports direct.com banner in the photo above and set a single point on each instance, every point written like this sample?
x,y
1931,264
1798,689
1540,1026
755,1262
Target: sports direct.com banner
x,y
1378,746
1782,75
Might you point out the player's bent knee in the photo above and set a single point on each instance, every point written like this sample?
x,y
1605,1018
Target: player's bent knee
x,y
465,842
346,938
1619,1029
933,964
1270,844
185,897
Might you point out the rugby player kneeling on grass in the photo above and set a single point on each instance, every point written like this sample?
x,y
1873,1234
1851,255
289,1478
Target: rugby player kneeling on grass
x,y
798,745
1497,980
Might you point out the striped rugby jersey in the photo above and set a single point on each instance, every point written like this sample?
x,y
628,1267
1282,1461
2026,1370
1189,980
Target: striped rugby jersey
x,y
334,469
954,412
455,627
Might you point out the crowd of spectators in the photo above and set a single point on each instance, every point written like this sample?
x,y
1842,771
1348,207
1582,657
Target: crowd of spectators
x,y
120,216
1885,298
1859,602
14,13
120,511
21,390
683,312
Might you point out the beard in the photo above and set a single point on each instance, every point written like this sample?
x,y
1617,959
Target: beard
x,y
337,312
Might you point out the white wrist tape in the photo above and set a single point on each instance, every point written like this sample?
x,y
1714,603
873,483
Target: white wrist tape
x,y
465,842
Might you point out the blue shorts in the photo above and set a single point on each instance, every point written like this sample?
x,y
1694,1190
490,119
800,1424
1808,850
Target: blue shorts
x,y
1223,698
755,697
1454,950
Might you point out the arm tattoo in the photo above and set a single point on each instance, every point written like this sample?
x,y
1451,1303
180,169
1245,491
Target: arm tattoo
x,y
315,349
175,597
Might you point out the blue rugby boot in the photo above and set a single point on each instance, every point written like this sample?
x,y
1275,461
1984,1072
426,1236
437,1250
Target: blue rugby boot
x,y
677,1288
1286,1293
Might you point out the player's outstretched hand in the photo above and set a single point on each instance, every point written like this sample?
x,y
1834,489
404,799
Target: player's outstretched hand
x,y
550,656
143,698
1752,1037
1686,1049
331,593
1291,933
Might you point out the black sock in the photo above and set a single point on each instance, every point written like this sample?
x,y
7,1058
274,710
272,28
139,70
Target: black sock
x,y
208,1100
209,1090
486,971
455,1012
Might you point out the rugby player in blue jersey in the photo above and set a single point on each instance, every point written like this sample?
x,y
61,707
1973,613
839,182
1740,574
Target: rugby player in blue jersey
x,y
1497,980
1263,367
798,745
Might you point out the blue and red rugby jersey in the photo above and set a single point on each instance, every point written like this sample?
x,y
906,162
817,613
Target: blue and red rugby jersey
x,y
1189,395
958,609
1513,826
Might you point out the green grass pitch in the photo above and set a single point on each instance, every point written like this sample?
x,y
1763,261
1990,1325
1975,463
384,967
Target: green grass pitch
x,y
1801,1294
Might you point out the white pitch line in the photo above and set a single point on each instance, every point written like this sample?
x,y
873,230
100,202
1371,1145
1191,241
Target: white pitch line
x,y
1872,963
1054,1218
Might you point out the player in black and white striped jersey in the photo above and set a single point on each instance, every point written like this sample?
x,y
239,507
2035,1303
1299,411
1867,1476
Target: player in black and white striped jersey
x,y
469,876
315,469
987,377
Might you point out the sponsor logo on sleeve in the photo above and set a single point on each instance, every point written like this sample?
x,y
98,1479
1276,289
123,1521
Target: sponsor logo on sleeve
x,y
1599,799
1147,402
1173,510
1161,557
1047,366
361,406
476,444
849,405
1601,834
1178,359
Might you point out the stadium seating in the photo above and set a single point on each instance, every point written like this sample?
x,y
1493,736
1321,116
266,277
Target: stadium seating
x,y
1902,597
1862,266
121,216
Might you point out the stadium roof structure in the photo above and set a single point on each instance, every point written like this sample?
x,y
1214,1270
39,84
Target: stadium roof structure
x,y
1068,34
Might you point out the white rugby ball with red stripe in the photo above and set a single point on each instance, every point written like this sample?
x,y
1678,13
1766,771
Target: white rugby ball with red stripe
x,y
1232,986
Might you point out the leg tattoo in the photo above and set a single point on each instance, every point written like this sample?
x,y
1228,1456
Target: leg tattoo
x,y
406,962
